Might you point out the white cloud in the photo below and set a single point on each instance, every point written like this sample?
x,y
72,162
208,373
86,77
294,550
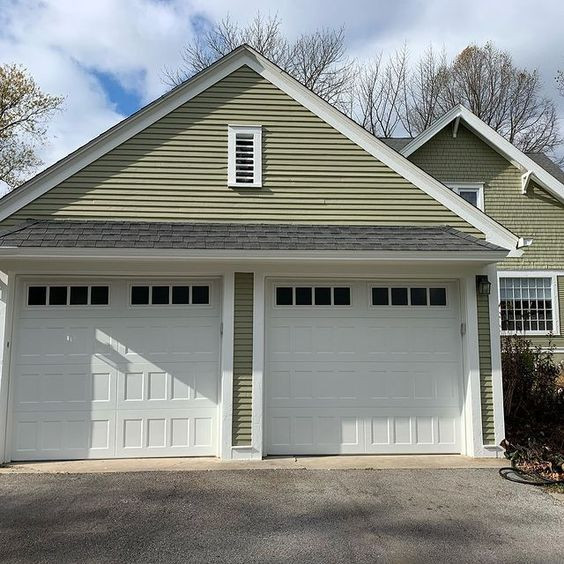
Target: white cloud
x,y
62,41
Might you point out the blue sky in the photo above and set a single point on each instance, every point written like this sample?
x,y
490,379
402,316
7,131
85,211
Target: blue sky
x,y
106,57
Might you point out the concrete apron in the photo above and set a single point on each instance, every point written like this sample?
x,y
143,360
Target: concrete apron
x,y
272,463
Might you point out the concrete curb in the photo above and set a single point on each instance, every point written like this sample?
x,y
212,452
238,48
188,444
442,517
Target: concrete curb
x,y
275,463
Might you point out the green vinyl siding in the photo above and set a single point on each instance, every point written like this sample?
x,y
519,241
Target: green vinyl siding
x,y
243,359
176,169
536,215
485,351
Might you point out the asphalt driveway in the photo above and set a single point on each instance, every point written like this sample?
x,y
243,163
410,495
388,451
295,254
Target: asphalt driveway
x,y
278,516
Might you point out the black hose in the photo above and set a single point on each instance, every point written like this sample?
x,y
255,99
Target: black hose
x,y
518,476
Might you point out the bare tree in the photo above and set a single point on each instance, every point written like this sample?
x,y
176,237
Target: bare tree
x,y
379,92
560,81
423,90
317,59
485,80
24,112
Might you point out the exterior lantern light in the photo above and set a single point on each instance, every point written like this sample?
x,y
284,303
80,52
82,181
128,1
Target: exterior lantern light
x,y
483,285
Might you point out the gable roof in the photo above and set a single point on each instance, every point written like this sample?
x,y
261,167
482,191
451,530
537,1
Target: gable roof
x,y
529,165
242,56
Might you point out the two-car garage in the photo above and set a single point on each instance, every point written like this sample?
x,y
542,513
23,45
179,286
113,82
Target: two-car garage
x,y
123,367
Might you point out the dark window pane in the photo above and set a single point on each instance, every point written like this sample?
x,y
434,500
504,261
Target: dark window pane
x,y
100,295
58,295
37,295
322,296
160,295
418,296
139,295
399,296
470,196
304,296
200,295
181,294
342,296
79,295
284,296
380,297
437,296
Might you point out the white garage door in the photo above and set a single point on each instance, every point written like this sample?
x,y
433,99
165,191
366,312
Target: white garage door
x,y
115,368
363,367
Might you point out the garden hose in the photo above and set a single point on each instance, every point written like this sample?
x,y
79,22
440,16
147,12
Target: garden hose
x,y
514,474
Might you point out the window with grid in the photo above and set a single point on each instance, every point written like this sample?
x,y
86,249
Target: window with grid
x,y
526,305
245,160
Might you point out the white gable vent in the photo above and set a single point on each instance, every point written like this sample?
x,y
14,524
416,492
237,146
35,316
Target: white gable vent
x,y
245,158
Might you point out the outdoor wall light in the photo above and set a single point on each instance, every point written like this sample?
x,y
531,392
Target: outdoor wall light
x,y
483,285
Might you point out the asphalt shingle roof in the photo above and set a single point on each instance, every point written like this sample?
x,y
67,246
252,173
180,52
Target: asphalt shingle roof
x,y
237,236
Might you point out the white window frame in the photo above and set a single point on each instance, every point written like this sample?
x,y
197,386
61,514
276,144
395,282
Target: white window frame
x,y
555,299
457,187
256,132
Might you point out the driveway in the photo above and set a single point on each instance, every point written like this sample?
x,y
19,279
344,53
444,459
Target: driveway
x,y
324,516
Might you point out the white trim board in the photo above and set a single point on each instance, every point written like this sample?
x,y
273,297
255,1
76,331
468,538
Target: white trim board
x,y
487,256
241,56
528,167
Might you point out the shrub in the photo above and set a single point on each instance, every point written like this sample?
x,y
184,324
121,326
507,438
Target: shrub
x,y
530,379
533,399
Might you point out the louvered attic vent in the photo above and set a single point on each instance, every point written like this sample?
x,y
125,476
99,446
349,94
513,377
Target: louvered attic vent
x,y
245,161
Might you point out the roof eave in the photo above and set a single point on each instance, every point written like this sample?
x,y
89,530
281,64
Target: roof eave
x,y
495,141
486,256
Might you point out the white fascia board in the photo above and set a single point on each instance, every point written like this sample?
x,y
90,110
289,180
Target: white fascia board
x,y
33,253
495,233
496,142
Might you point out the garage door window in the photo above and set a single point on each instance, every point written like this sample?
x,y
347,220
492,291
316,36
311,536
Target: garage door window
x,y
402,296
68,295
313,296
169,295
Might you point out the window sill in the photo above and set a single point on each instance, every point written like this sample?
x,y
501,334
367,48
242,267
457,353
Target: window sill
x,y
528,334
232,185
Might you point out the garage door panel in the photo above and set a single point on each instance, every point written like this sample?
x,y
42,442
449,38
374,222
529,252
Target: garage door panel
x,y
181,384
170,340
175,432
68,388
66,435
299,431
40,342
393,371
362,384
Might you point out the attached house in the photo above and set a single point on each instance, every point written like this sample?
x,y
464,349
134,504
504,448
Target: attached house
x,y
239,270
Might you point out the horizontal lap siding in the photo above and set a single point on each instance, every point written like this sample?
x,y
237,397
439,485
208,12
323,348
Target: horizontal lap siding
x,y
176,169
537,215
243,359
486,388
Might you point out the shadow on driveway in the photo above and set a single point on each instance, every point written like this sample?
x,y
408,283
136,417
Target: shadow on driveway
x,y
278,516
